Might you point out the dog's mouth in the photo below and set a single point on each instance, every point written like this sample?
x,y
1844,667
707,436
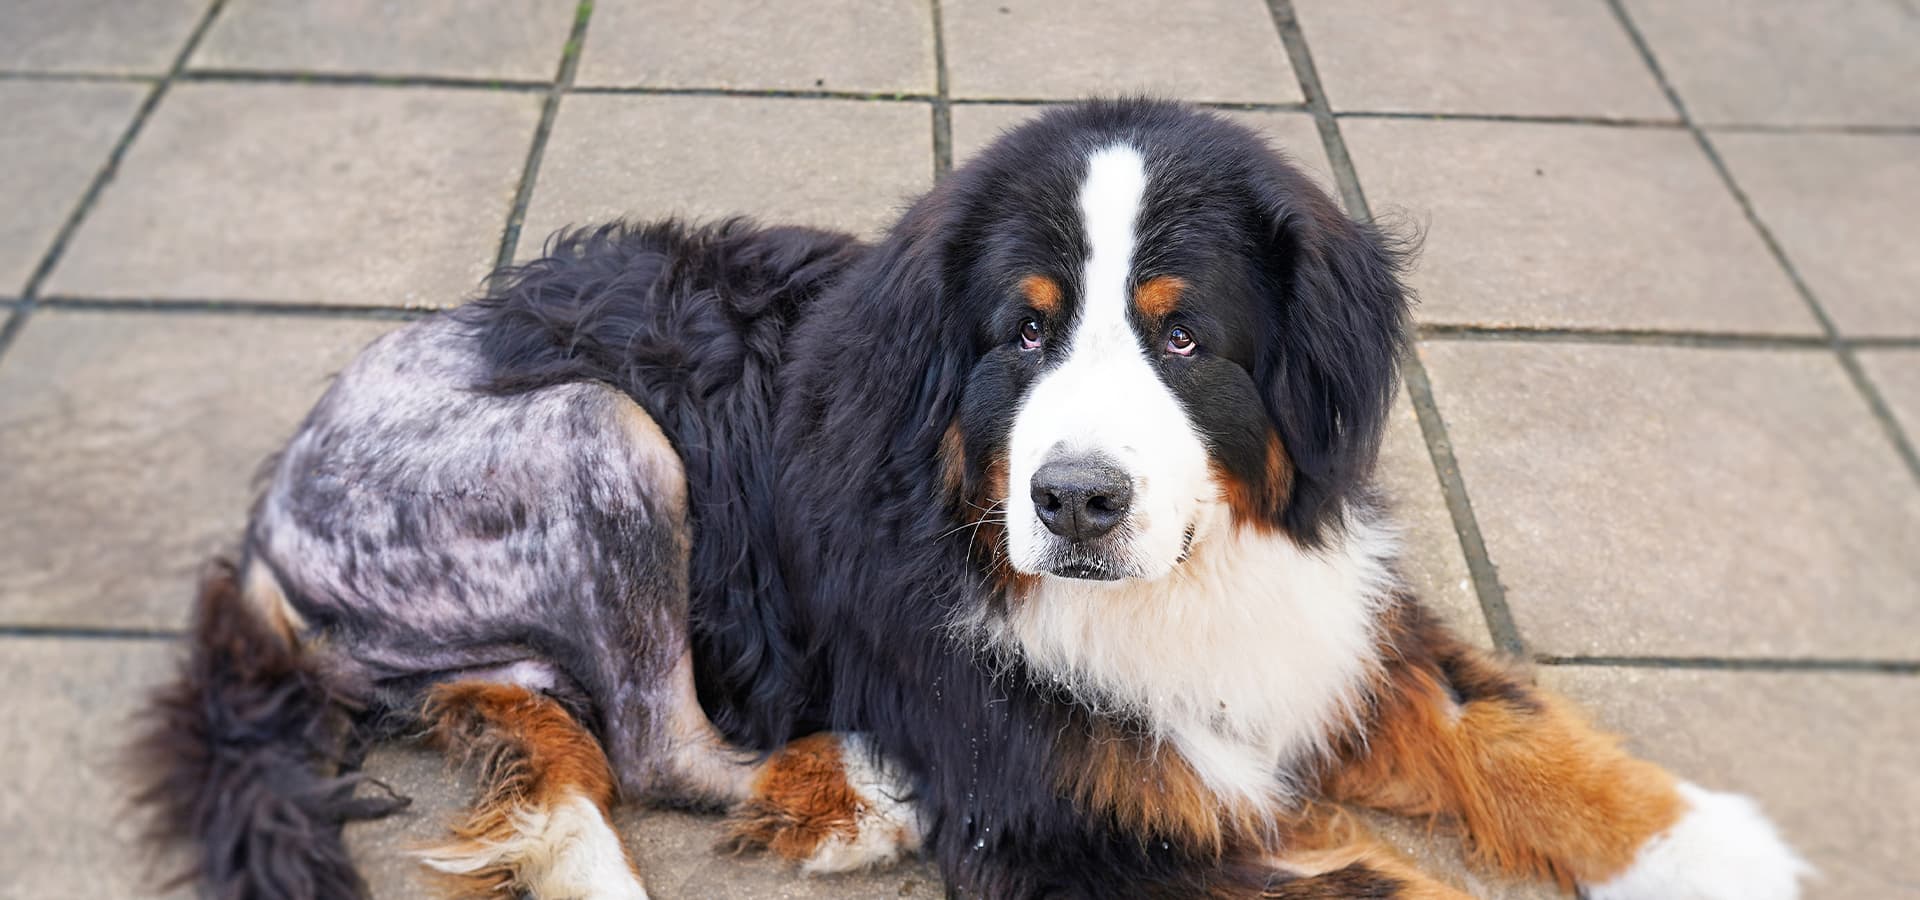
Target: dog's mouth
x,y
1098,564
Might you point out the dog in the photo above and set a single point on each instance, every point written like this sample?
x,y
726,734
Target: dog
x,y
1037,537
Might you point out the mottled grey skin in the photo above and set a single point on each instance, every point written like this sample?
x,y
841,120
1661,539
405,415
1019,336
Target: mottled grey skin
x,y
421,529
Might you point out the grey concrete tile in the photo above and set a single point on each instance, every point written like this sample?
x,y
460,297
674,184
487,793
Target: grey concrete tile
x,y
1897,374
119,36
1683,501
314,194
1572,226
1068,49
1829,757
508,39
1783,62
57,137
1435,566
847,164
1845,207
877,46
1510,57
674,851
976,125
64,824
127,446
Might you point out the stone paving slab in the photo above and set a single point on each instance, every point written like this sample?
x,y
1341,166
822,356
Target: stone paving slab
x,y
57,138
1682,501
675,851
1293,133
108,36
848,164
1223,50
869,46
1786,62
307,194
127,442
1435,567
1548,225
1845,207
1897,374
64,828
1828,755
508,39
1506,57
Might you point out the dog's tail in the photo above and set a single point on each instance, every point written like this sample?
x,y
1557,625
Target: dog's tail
x,y
240,757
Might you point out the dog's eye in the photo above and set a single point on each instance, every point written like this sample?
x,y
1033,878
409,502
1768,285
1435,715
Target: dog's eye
x,y
1180,341
1030,334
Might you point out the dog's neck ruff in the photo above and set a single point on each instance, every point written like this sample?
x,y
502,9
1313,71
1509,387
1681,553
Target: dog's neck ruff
x,y
1246,659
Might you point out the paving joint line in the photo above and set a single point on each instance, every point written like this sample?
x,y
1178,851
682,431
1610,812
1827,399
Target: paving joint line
x,y
1518,119
269,308
1433,429
30,295
1652,337
641,90
536,151
82,75
89,633
360,79
1868,391
1737,664
942,101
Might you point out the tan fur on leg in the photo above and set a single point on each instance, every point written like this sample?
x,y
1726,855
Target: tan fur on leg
x,y
540,824
824,801
1539,793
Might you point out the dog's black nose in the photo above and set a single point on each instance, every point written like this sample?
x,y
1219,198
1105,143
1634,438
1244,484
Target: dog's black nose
x,y
1081,498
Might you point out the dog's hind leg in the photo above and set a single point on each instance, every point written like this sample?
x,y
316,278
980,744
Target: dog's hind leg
x,y
540,824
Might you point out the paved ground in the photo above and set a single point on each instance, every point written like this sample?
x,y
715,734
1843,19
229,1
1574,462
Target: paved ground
x,y
1658,436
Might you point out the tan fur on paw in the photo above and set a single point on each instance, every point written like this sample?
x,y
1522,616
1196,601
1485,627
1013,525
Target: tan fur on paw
x,y
824,803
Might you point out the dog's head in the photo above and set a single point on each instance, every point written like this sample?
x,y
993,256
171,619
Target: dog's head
x,y
1176,334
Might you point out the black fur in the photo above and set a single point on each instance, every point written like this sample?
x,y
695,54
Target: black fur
x,y
243,752
692,323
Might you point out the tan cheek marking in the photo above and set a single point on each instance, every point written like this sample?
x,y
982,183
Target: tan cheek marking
x,y
1156,297
1042,293
1256,504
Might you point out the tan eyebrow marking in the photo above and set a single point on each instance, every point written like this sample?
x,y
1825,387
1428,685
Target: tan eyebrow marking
x,y
1042,293
1156,297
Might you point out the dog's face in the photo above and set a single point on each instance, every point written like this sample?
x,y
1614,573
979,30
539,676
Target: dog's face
x,y
1180,335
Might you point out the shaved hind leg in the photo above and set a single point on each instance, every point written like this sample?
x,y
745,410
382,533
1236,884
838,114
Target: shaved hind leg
x,y
540,824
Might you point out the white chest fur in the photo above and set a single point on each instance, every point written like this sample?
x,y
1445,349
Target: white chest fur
x,y
1244,658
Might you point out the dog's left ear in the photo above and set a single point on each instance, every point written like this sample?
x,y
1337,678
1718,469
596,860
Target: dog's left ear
x,y
1328,368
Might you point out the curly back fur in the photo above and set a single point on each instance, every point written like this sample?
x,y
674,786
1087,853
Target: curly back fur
x,y
700,352
240,751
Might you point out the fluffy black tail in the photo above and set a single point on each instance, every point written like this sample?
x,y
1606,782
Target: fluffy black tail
x,y
241,756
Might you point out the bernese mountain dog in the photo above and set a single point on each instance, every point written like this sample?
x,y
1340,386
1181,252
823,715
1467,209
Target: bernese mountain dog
x,y
1037,537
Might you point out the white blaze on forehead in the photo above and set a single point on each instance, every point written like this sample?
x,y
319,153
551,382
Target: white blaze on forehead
x,y
1110,202
1106,397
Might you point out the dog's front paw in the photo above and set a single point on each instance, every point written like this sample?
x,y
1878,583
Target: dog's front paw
x,y
826,802
1721,849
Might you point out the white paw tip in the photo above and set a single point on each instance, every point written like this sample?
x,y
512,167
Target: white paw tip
x,y
1722,848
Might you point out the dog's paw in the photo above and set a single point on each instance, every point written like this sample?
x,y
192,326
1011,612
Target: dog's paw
x,y
1721,849
829,804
